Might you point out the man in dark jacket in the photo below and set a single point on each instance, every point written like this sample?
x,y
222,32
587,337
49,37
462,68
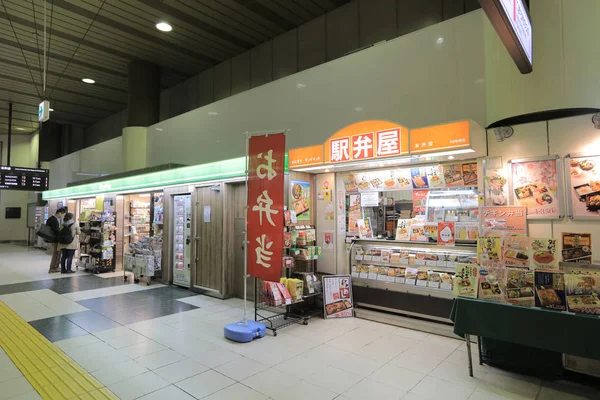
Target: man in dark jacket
x,y
54,224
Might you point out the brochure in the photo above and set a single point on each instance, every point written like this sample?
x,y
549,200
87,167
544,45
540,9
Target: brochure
x,y
543,253
466,281
550,290
519,287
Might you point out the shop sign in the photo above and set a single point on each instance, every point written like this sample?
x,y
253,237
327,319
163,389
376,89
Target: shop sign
x,y
454,136
498,220
265,222
306,156
367,140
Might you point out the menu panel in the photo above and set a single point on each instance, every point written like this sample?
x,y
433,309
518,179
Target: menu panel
x,y
17,178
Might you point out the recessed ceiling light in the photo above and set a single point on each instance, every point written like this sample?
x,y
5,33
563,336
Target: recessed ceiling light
x,y
88,80
300,86
164,27
20,129
440,40
51,109
212,113
358,109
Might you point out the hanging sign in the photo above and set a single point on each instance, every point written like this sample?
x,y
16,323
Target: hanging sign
x,y
265,223
337,296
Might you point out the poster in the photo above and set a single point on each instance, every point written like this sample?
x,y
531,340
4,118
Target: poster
x,y
435,176
492,284
328,240
403,230
577,248
543,253
445,233
583,187
364,228
516,251
354,212
535,186
265,220
350,183
300,200
550,290
337,296
469,172
419,201
495,187
466,281
453,175
582,290
403,178
370,199
419,178
489,251
519,287
498,221
329,212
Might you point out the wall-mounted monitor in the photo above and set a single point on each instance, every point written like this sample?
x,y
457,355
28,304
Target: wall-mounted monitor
x,y
20,178
12,213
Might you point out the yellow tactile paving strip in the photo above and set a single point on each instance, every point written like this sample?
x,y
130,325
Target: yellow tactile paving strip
x,y
51,372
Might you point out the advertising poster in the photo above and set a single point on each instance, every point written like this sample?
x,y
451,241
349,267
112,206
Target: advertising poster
x,y
582,287
419,178
550,290
389,180
453,175
520,287
403,229
577,248
469,174
583,187
489,251
419,201
543,253
466,281
495,187
354,213
300,200
364,228
498,221
516,251
328,240
435,176
350,183
535,186
445,233
492,284
337,296
265,206
403,178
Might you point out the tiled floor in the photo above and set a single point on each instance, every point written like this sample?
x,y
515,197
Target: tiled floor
x,y
167,343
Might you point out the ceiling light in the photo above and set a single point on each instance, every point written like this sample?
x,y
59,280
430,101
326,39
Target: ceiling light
x,y
51,109
358,109
450,157
440,40
19,129
88,80
300,86
212,113
164,27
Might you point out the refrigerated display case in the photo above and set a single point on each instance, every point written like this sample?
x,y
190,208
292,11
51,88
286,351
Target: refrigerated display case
x,y
406,278
460,206
182,217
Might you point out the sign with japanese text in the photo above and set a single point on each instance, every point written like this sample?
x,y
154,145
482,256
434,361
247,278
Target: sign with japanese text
x,y
420,201
445,234
534,184
265,222
583,186
367,140
306,156
445,137
498,220
337,296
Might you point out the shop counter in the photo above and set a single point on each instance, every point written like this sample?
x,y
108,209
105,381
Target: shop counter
x,y
552,332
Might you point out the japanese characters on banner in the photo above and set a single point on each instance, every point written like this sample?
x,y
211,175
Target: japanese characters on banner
x,y
583,188
337,296
535,186
499,221
265,206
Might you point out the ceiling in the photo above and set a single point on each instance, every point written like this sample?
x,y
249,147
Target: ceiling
x,y
98,38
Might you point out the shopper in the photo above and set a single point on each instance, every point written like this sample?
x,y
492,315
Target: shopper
x,y
54,224
68,242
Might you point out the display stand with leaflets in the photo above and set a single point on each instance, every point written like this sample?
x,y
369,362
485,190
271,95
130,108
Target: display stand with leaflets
x,y
97,243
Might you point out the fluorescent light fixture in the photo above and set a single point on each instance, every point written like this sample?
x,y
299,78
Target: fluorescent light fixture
x,y
300,86
88,80
20,129
164,27
51,109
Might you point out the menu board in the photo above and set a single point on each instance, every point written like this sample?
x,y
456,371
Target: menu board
x,y
18,178
337,296
583,187
535,185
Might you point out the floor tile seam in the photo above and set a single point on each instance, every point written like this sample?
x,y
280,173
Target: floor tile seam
x,y
30,333
210,394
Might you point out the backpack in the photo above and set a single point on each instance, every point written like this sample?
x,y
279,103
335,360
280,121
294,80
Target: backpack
x,y
66,236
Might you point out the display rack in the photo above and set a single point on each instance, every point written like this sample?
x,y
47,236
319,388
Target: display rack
x,y
300,311
97,251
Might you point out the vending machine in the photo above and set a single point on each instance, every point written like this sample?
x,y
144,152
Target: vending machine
x,y
182,239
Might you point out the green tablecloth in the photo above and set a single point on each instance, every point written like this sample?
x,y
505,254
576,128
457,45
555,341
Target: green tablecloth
x,y
544,329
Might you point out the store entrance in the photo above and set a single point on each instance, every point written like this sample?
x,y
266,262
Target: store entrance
x,y
209,240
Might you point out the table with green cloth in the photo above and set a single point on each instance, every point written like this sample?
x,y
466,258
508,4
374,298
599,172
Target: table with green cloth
x,y
555,331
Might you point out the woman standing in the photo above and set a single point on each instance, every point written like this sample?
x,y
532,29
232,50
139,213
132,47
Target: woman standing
x,y
68,242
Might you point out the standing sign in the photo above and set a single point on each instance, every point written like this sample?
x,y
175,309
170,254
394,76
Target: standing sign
x,y
337,296
265,206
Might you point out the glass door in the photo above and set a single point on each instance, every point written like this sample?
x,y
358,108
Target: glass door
x,y
182,217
